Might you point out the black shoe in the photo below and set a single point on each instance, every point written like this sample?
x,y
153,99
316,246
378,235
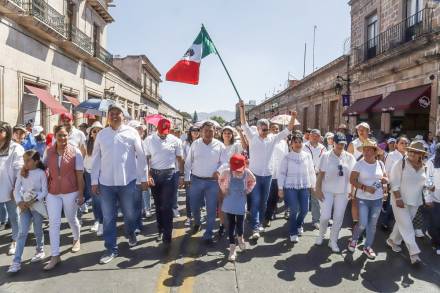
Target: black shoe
x,y
196,229
221,231
208,241
384,227
159,237
266,223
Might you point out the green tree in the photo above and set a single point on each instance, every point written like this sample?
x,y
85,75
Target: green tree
x,y
219,119
186,115
195,118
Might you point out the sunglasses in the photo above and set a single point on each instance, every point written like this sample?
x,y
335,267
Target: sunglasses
x,y
265,129
341,173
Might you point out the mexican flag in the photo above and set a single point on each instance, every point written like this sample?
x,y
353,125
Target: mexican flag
x,y
187,69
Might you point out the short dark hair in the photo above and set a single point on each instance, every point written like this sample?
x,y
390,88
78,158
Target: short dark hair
x,y
207,124
295,135
58,128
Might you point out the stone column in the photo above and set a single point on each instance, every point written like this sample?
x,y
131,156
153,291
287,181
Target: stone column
x,y
434,112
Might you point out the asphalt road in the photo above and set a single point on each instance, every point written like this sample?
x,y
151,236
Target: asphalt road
x,y
271,265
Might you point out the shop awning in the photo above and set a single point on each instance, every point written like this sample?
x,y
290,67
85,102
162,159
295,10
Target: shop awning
x,y
362,106
44,96
403,99
73,100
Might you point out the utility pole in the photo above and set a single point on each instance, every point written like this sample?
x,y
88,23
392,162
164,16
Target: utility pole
x,y
314,35
305,54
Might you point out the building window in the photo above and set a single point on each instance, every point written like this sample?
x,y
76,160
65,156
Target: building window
x,y
332,114
317,116
372,32
305,118
413,7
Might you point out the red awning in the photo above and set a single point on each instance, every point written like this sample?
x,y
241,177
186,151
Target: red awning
x,y
403,99
54,106
73,100
362,106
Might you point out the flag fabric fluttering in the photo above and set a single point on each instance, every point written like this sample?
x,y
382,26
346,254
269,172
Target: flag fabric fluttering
x,y
187,69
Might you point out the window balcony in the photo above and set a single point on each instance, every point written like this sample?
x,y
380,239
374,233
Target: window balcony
x,y
410,29
12,5
50,19
100,6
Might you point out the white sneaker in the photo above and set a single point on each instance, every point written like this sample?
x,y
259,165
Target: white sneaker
x,y
419,233
316,226
12,248
261,229
94,227
39,256
300,231
232,252
120,214
394,247
415,259
319,240
334,247
137,231
255,235
330,222
14,268
100,230
294,238
438,251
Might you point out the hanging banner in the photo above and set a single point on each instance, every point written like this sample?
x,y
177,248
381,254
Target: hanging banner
x,y
345,100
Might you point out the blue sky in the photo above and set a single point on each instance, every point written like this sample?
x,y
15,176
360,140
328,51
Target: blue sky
x,y
260,42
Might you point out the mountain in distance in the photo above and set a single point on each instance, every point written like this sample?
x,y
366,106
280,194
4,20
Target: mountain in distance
x,y
225,114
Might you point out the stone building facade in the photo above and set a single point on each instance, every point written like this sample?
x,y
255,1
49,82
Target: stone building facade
x,y
394,65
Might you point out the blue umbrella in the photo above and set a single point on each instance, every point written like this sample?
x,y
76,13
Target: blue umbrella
x,y
96,107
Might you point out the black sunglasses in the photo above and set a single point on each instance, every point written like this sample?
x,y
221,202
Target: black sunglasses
x,y
341,173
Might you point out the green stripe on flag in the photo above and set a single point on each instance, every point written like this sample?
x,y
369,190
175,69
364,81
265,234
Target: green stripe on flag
x,y
207,45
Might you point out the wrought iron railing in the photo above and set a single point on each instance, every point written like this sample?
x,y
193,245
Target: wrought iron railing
x,y
409,29
47,14
80,39
103,4
103,55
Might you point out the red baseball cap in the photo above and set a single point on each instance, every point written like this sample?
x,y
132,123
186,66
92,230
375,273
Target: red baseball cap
x,y
237,162
164,126
66,116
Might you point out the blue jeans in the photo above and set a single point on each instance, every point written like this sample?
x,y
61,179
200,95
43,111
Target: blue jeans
x,y
188,203
176,189
146,196
369,211
138,207
259,197
12,209
25,223
296,199
96,200
163,194
204,189
110,196
3,213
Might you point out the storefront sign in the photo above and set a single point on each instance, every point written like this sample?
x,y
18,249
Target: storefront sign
x,y
345,100
424,102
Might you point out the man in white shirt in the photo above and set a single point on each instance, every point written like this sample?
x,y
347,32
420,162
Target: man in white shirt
x,y
205,158
316,150
280,151
119,163
261,147
163,150
76,136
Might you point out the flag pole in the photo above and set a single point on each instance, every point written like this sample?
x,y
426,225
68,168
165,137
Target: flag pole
x,y
221,60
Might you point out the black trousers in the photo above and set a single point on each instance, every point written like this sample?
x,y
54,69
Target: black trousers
x,y
235,225
433,221
272,200
163,194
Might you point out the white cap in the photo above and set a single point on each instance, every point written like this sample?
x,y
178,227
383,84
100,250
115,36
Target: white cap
x,y
418,137
95,124
329,134
364,125
36,130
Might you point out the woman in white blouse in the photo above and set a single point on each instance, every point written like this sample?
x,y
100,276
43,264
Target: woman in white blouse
x,y
228,139
332,188
408,177
296,178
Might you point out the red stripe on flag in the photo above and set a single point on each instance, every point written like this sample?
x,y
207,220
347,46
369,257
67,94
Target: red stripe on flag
x,y
184,71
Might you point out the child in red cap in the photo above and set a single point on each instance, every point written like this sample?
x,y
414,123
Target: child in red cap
x,y
235,183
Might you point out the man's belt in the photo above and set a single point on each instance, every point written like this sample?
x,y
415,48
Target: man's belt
x,y
203,178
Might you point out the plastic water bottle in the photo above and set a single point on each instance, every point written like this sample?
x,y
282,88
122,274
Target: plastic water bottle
x,y
427,190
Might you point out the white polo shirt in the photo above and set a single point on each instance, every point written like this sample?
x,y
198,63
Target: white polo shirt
x,y
204,159
163,152
76,138
315,152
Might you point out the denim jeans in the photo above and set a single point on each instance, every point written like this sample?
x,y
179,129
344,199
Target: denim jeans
x,y
110,196
259,196
163,194
13,216
315,209
298,203
387,216
96,200
188,203
369,211
138,207
272,200
146,200
204,189
26,218
3,213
